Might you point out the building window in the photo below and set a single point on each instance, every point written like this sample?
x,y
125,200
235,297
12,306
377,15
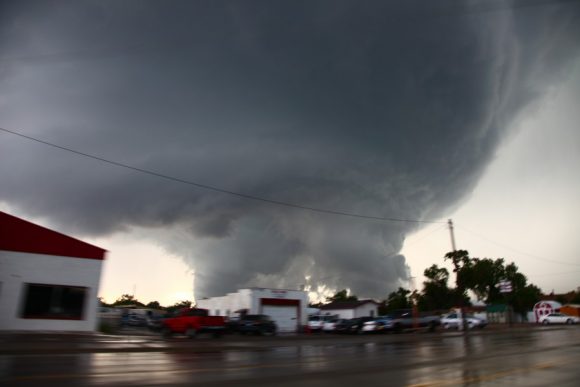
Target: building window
x,y
54,302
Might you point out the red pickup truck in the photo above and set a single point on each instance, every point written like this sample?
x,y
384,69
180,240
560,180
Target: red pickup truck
x,y
193,321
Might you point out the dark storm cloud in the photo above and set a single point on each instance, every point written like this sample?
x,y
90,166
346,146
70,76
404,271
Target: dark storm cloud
x,y
382,108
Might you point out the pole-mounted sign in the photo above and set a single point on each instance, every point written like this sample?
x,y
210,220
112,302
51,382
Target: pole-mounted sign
x,y
505,286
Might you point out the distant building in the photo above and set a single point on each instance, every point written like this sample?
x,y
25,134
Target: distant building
x,y
571,309
351,309
48,281
288,308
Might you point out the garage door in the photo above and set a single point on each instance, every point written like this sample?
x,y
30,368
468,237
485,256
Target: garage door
x,y
286,317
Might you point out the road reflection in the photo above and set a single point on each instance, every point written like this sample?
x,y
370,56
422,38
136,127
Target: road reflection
x,y
407,360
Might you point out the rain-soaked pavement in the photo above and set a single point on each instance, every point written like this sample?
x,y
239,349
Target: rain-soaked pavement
x,y
525,357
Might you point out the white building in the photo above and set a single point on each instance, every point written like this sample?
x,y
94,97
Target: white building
x,y
351,309
48,281
288,308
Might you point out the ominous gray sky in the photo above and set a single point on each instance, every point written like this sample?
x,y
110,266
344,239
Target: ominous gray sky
x,y
387,108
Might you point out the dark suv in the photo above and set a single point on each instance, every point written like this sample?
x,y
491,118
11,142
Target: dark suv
x,y
257,324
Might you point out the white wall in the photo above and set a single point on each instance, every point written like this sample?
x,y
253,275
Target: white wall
x,y
231,302
361,311
17,269
250,299
287,294
341,313
366,309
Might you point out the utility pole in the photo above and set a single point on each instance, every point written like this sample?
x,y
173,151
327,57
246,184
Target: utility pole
x,y
450,224
415,310
462,307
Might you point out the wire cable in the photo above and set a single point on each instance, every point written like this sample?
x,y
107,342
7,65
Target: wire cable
x,y
554,274
518,251
217,189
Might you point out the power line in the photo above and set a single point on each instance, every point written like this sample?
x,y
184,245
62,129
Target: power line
x,y
554,274
217,189
518,251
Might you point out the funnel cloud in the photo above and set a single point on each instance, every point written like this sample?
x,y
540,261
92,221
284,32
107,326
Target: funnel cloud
x,y
386,109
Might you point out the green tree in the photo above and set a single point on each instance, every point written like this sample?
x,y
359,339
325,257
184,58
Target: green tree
x,y
153,305
399,299
437,275
179,305
436,294
482,275
342,296
461,264
525,298
127,299
102,301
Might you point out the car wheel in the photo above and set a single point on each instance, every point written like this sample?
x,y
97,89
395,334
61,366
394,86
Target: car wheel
x,y
545,322
432,326
569,321
190,332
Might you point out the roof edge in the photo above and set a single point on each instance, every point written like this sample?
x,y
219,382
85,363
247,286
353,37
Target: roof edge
x,y
22,236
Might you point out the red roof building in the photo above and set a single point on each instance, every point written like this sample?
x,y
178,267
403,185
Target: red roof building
x,y
49,280
20,235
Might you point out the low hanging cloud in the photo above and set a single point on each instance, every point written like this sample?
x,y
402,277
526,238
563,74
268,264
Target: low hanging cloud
x,y
387,109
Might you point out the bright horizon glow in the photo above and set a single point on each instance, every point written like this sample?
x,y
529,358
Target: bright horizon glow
x,y
525,202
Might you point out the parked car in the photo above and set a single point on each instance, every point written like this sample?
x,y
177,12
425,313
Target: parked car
x,y
558,318
257,324
232,324
155,323
136,320
405,319
316,323
193,321
330,326
453,321
380,324
354,325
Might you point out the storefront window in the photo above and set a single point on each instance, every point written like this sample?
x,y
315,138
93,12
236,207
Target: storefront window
x,y
54,302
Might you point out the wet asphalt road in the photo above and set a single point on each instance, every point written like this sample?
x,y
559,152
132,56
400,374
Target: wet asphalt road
x,y
533,357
